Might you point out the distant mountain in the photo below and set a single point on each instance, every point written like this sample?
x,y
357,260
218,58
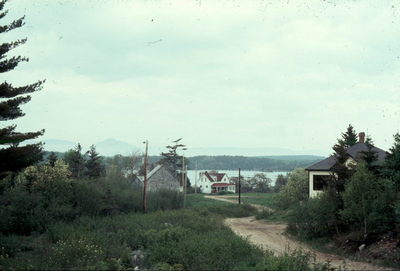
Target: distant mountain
x,y
111,146
107,147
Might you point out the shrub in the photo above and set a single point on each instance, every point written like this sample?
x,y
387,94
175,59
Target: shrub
x,y
23,211
164,200
368,202
225,193
44,196
313,218
264,214
295,191
297,260
77,253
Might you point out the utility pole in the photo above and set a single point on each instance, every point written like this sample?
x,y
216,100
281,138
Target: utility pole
x,y
145,178
185,186
239,186
183,181
195,180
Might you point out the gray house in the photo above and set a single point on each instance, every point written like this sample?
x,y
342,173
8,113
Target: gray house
x,y
320,173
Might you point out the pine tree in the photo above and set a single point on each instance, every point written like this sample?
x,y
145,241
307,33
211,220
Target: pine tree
x,y
75,161
52,159
94,166
350,136
172,157
391,168
369,140
12,157
340,169
370,157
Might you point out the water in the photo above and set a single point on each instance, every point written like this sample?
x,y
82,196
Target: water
x,y
234,173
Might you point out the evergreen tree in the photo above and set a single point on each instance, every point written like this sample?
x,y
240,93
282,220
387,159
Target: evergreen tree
x,y
340,169
52,159
94,166
369,140
12,157
370,157
391,168
350,136
172,156
75,161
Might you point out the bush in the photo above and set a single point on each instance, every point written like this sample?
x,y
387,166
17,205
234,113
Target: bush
x,y
368,202
164,200
313,218
77,253
297,260
225,193
44,195
295,191
264,214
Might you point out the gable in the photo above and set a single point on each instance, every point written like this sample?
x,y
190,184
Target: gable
x,y
162,174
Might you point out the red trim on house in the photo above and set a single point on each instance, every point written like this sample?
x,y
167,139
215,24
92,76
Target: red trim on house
x,y
221,184
219,176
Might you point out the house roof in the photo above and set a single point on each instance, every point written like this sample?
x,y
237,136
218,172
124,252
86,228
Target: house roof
x,y
357,149
210,175
151,173
220,184
354,152
325,164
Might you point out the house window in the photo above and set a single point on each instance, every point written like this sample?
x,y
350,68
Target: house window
x,y
320,181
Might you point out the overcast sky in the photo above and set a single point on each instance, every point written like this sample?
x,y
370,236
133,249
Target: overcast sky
x,y
290,74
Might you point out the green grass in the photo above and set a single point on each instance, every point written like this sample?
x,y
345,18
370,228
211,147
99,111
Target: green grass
x,y
264,199
198,200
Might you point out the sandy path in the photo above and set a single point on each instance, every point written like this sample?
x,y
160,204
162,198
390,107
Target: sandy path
x,y
270,236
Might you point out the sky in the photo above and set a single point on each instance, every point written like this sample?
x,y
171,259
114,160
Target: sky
x,y
287,74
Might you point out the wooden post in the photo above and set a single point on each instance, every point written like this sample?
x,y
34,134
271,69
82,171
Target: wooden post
x,y
195,180
145,179
185,186
183,181
239,187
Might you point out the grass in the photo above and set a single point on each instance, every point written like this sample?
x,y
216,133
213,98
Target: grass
x,y
198,200
264,199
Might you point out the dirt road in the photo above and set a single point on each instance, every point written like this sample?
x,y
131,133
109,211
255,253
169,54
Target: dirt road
x,y
271,236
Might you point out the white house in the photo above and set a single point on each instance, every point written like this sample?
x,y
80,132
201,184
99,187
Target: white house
x,y
320,173
214,182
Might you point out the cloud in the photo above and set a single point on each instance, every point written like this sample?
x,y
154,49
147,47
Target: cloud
x,y
230,73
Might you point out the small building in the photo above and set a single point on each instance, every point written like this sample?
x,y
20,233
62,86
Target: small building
x,y
162,177
214,182
320,173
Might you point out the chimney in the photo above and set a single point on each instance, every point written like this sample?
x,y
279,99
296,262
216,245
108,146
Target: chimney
x,y
361,137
